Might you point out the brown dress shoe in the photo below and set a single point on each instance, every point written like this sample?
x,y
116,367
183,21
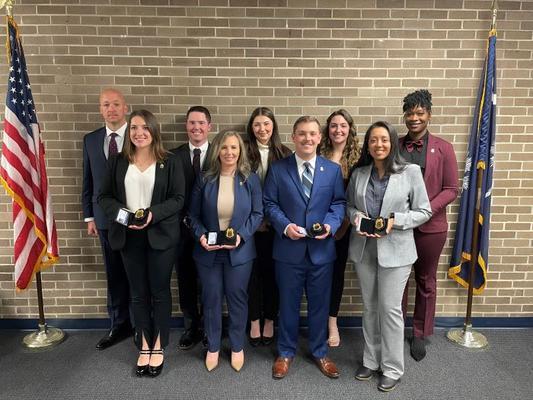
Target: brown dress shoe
x,y
280,369
327,367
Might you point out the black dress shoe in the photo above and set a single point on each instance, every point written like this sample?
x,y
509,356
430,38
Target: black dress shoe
x,y
189,338
387,384
114,336
141,370
155,371
267,340
418,348
364,374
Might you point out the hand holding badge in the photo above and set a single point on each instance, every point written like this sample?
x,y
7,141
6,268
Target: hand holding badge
x,y
131,219
222,238
376,226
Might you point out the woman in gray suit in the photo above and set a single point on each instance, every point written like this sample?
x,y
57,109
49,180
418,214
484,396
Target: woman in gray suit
x,y
386,199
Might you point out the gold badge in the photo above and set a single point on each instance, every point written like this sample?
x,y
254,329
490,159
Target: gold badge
x,y
230,233
316,226
380,223
139,214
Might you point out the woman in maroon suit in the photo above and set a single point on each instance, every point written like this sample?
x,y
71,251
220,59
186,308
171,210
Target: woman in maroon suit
x,y
438,163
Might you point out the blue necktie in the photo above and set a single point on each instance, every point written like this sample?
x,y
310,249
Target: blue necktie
x,y
307,180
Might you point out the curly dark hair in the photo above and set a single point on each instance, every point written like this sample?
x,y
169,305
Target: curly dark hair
x,y
419,98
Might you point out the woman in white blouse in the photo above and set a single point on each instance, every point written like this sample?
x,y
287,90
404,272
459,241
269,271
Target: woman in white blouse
x,y
145,177
264,147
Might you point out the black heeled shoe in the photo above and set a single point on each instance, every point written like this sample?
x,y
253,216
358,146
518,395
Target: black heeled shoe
x,y
155,371
254,341
267,340
141,370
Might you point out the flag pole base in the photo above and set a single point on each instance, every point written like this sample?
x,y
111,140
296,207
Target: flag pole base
x,y
468,338
44,338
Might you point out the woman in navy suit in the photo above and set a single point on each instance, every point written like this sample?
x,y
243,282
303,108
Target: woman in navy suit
x,y
145,177
227,198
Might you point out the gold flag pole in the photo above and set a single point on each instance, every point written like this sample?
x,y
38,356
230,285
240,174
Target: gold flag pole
x,y
466,336
46,336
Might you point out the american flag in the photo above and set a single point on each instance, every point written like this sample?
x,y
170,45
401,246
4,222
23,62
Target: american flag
x,y
23,172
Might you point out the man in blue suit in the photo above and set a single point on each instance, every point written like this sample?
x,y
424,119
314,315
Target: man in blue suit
x,y
300,191
97,147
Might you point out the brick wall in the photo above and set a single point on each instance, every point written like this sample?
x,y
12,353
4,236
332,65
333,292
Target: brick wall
x,y
298,57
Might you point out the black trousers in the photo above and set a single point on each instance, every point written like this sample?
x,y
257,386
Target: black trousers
x,y
149,274
188,288
339,266
118,291
263,297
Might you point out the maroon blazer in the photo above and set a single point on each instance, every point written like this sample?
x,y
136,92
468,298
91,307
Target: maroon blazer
x,y
440,177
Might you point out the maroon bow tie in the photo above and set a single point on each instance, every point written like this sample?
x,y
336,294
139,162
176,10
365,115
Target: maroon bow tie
x,y
410,145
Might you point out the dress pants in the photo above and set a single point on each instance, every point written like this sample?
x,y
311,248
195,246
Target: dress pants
x,y
149,274
118,291
383,325
187,274
339,266
292,279
219,279
429,248
263,298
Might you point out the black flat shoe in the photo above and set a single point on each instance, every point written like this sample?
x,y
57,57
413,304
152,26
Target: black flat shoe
x,y
141,370
387,384
155,371
364,374
267,340
418,348
254,341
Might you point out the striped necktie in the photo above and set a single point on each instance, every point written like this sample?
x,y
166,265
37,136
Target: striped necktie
x,y
307,180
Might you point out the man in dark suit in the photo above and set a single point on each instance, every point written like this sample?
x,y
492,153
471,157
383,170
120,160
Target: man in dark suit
x,y
97,147
301,191
194,159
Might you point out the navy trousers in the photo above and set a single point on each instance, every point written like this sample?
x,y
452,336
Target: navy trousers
x,y
118,290
292,279
223,279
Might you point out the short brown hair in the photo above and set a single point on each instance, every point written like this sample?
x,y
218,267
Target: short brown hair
x,y
305,119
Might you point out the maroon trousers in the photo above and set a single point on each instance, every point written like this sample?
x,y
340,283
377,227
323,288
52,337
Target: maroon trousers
x,y
429,247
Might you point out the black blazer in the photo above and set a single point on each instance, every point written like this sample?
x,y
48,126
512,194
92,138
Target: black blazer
x,y
167,201
184,156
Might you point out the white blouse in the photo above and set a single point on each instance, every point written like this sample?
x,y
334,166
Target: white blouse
x,y
263,167
139,187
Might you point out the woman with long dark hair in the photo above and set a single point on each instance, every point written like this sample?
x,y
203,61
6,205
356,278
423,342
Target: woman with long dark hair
x,y
387,199
142,195
339,144
264,147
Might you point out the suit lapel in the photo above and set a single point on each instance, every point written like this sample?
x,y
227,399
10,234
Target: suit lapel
x,y
100,142
160,175
430,155
389,194
237,199
122,168
292,169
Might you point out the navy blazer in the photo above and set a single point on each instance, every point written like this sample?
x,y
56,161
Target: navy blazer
x,y
94,170
285,203
166,204
247,216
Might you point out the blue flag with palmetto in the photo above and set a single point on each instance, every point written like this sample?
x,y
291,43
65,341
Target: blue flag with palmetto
x,y
479,165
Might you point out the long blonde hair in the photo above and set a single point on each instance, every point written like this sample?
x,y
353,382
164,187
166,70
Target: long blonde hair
x,y
243,166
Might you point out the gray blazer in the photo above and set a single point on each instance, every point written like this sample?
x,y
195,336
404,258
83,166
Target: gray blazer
x,y
407,198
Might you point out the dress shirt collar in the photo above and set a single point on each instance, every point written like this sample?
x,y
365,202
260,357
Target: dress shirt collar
x,y
262,146
120,131
203,147
300,163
